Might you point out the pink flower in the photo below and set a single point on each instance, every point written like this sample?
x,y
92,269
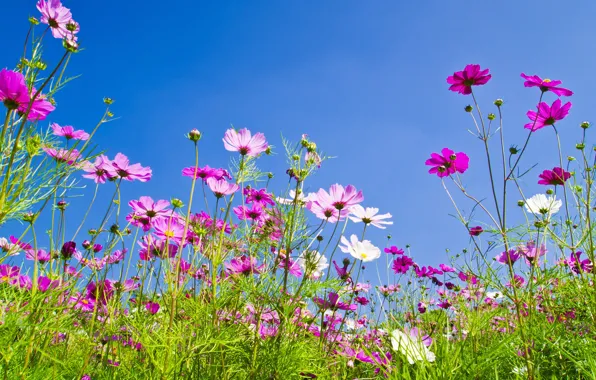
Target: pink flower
x,y
145,210
98,171
152,307
335,205
13,89
121,167
255,212
205,173
394,250
447,163
41,256
222,188
555,177
169,228
69,132
508,257
531,252
462,81
402,264
547,115
40,108
475,231
7,273
577,265
57,17
242,142
545,85
244,265
446,268
333,303
151,247
258,196
63,155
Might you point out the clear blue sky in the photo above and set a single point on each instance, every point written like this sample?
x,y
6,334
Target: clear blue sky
x,y
366,80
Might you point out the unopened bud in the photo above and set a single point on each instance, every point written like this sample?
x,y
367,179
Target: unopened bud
x,y
513,150
498,102
194,135
491,116
549,191
176,203
61,205
521,203
585,124
108,101
33,21
468,108
580,146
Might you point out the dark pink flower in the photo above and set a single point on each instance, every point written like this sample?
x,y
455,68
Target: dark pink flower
x,y
101,291
68,249
205,173
121,167
222,188
244,143
333,303
258,196
545,85
402,264
447,163
152,307
394,250
244,265
7,273
145,210
41,256
98,171
255,212
40,108
547,115
578,265
63,155
508,257
446,268
557,176
69,132
169,228
475,231
13,89
471,75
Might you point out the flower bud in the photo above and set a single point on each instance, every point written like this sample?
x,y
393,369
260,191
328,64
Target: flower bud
x,y
549,191
86,244
114,228
513,149
33,21
108,101
580,146
97,248
468,108
176,203
295,157
61,205
68,249
269,175
498,102
346,262
29,217
268,151
320,238
194,135
521,203
491,116
570,158
585,124
92,232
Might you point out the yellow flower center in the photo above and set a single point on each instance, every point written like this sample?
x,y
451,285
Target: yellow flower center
x,y
363,255
546,80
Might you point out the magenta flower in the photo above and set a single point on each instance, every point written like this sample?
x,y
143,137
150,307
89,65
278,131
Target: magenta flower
x,y
13,89
255,213
545,85
394,250
205,173
145,210
57,17
152,307
98,171
402,264
475,231
547,115
578,265
258,196
555,177
446,268
101,291
447,163
222,188
121,167
242,142
63,155
8,273
151,247
531,253
462,81
244,265
169,228
68,249
41,256
44,283
508,257
333,302
40,108
69,132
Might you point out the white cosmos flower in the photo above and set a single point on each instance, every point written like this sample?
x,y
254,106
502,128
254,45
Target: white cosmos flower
x,y
301,199
361,250
413,349
9,248
369,216
541,204
312,263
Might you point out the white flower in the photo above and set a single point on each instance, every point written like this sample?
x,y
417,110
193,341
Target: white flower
x,y
369,216
361,250
9,248
494,295
312,263
301,199
541,204
413,349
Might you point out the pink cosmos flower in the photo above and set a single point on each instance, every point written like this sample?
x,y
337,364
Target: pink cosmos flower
x,y
63,155
101,291
244,265
98,171
145,210
531,253
57,17
475,231
169,228
446,268
545,85
333,302
94,263
69,132
547,115
402,264
471,75
242,142
255,212
40,108
152,247
205,173
555,177
13,89
508,257
121,167
577,265
394,250
323,204
447,163
222,188
7,273
152,307
258,196
41,256
294,267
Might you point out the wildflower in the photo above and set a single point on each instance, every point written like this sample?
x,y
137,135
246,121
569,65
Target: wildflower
x,y
545,85
447,163
244,143
116,256
335,205
152,307
151,247
361,300
169,228
13,90
120,167
244,265
555,177
333,302
9,248
313,264
541,204
421,307
258,196
255,212
402,264
146,210
205,173
101,291
40,108
301,199
369,216
63,155
508,257
56,16
518,281
446,268
361,250
475,231
44,283
462,81
342,272
8,273
69,132
41,256
293,267
547,115
98,171
412,348
394,250
577,265
531,252
68,249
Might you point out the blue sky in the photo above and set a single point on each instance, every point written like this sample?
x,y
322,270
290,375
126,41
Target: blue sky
x,y
365,80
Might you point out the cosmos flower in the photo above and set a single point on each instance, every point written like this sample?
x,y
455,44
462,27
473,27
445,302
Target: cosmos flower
x,y
413,348
545,85
361,250
205,173
547,115
69,132
369,216
57,17
40,108
255,213
169,228
541,204
41,255
244,265
336,204
120,167
222,188
394,250
258,196
555,177
312,263
244,143
531,253
401,264
98,171
578,265
13,90
301,199
63,155
508,257
476,231
333,302
145,210
447,163
471,75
